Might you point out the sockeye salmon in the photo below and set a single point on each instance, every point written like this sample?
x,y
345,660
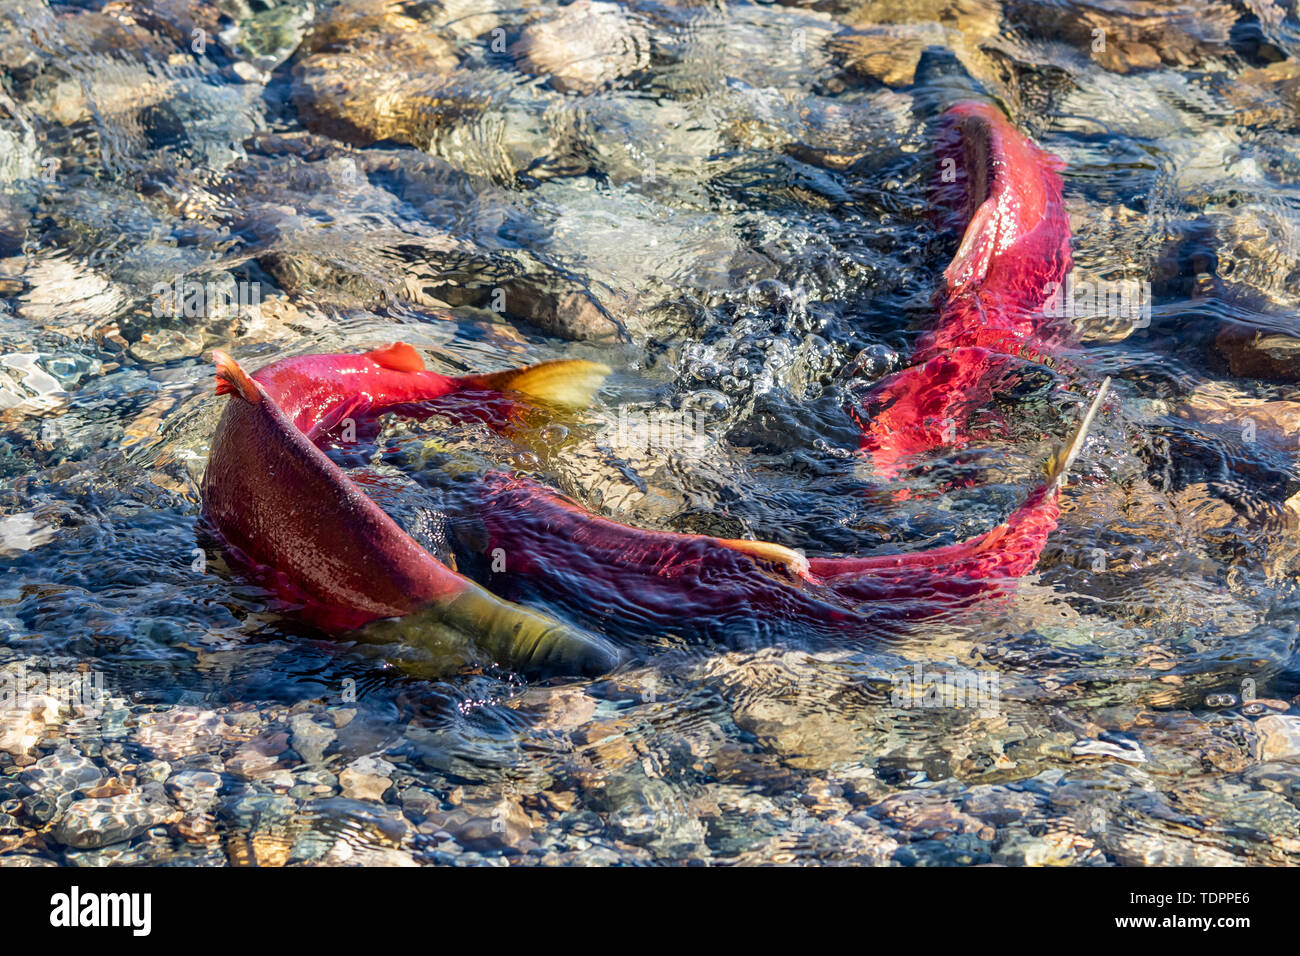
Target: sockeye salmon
x,y
691,582
1004,194
294,519
286,510
291,514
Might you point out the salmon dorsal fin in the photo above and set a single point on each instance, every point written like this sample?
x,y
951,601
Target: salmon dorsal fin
x,y
399,357
232,378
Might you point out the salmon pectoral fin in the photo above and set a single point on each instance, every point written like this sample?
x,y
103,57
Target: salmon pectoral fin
x,y
1058,465
232,378
398,356
568,384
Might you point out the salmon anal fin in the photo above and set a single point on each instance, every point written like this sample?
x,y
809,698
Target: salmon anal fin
x,y
793,561
232,378
399,357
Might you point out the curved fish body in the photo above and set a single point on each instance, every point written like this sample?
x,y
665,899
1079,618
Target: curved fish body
x,y
307,532
315,538
690,582
1005,194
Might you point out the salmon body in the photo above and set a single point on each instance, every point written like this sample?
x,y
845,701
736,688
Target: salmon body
x,y
294,517
1004,194
697,584
268,487
305,531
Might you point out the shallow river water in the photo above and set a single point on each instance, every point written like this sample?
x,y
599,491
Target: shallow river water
x,y
726,203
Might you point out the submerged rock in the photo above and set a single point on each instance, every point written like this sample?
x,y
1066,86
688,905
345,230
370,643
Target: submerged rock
x,y
583,46
311,738
194,789
650,812
89,824
886,55
178,732
1276,422
803,707
557,708
61,294
1279,738
1253,352
366,779
344,853
485,825
19,732
366,72
1266,96
1135,35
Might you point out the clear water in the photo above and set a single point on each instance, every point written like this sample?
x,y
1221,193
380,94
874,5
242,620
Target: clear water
x,y
751,218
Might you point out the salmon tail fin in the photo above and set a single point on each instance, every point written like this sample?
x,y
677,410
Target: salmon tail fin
x,y
1059,464
232,378
568,384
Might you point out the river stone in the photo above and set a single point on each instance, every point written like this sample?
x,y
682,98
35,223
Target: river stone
x,y
541,296
467,19
930,813
194,789
1133,848
54,781
310,738
257,757
1259,353
485,825
60,292
556,708
343,853
649,812
1279,738
1265,96
366,779
973,18
19,732
19,156
783,698
63,772
1276,422
1137,34
1055,848
177,732
93,823
887,55
583,46
366,72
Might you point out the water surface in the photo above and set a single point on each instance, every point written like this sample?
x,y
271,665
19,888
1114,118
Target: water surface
x,y
725,202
